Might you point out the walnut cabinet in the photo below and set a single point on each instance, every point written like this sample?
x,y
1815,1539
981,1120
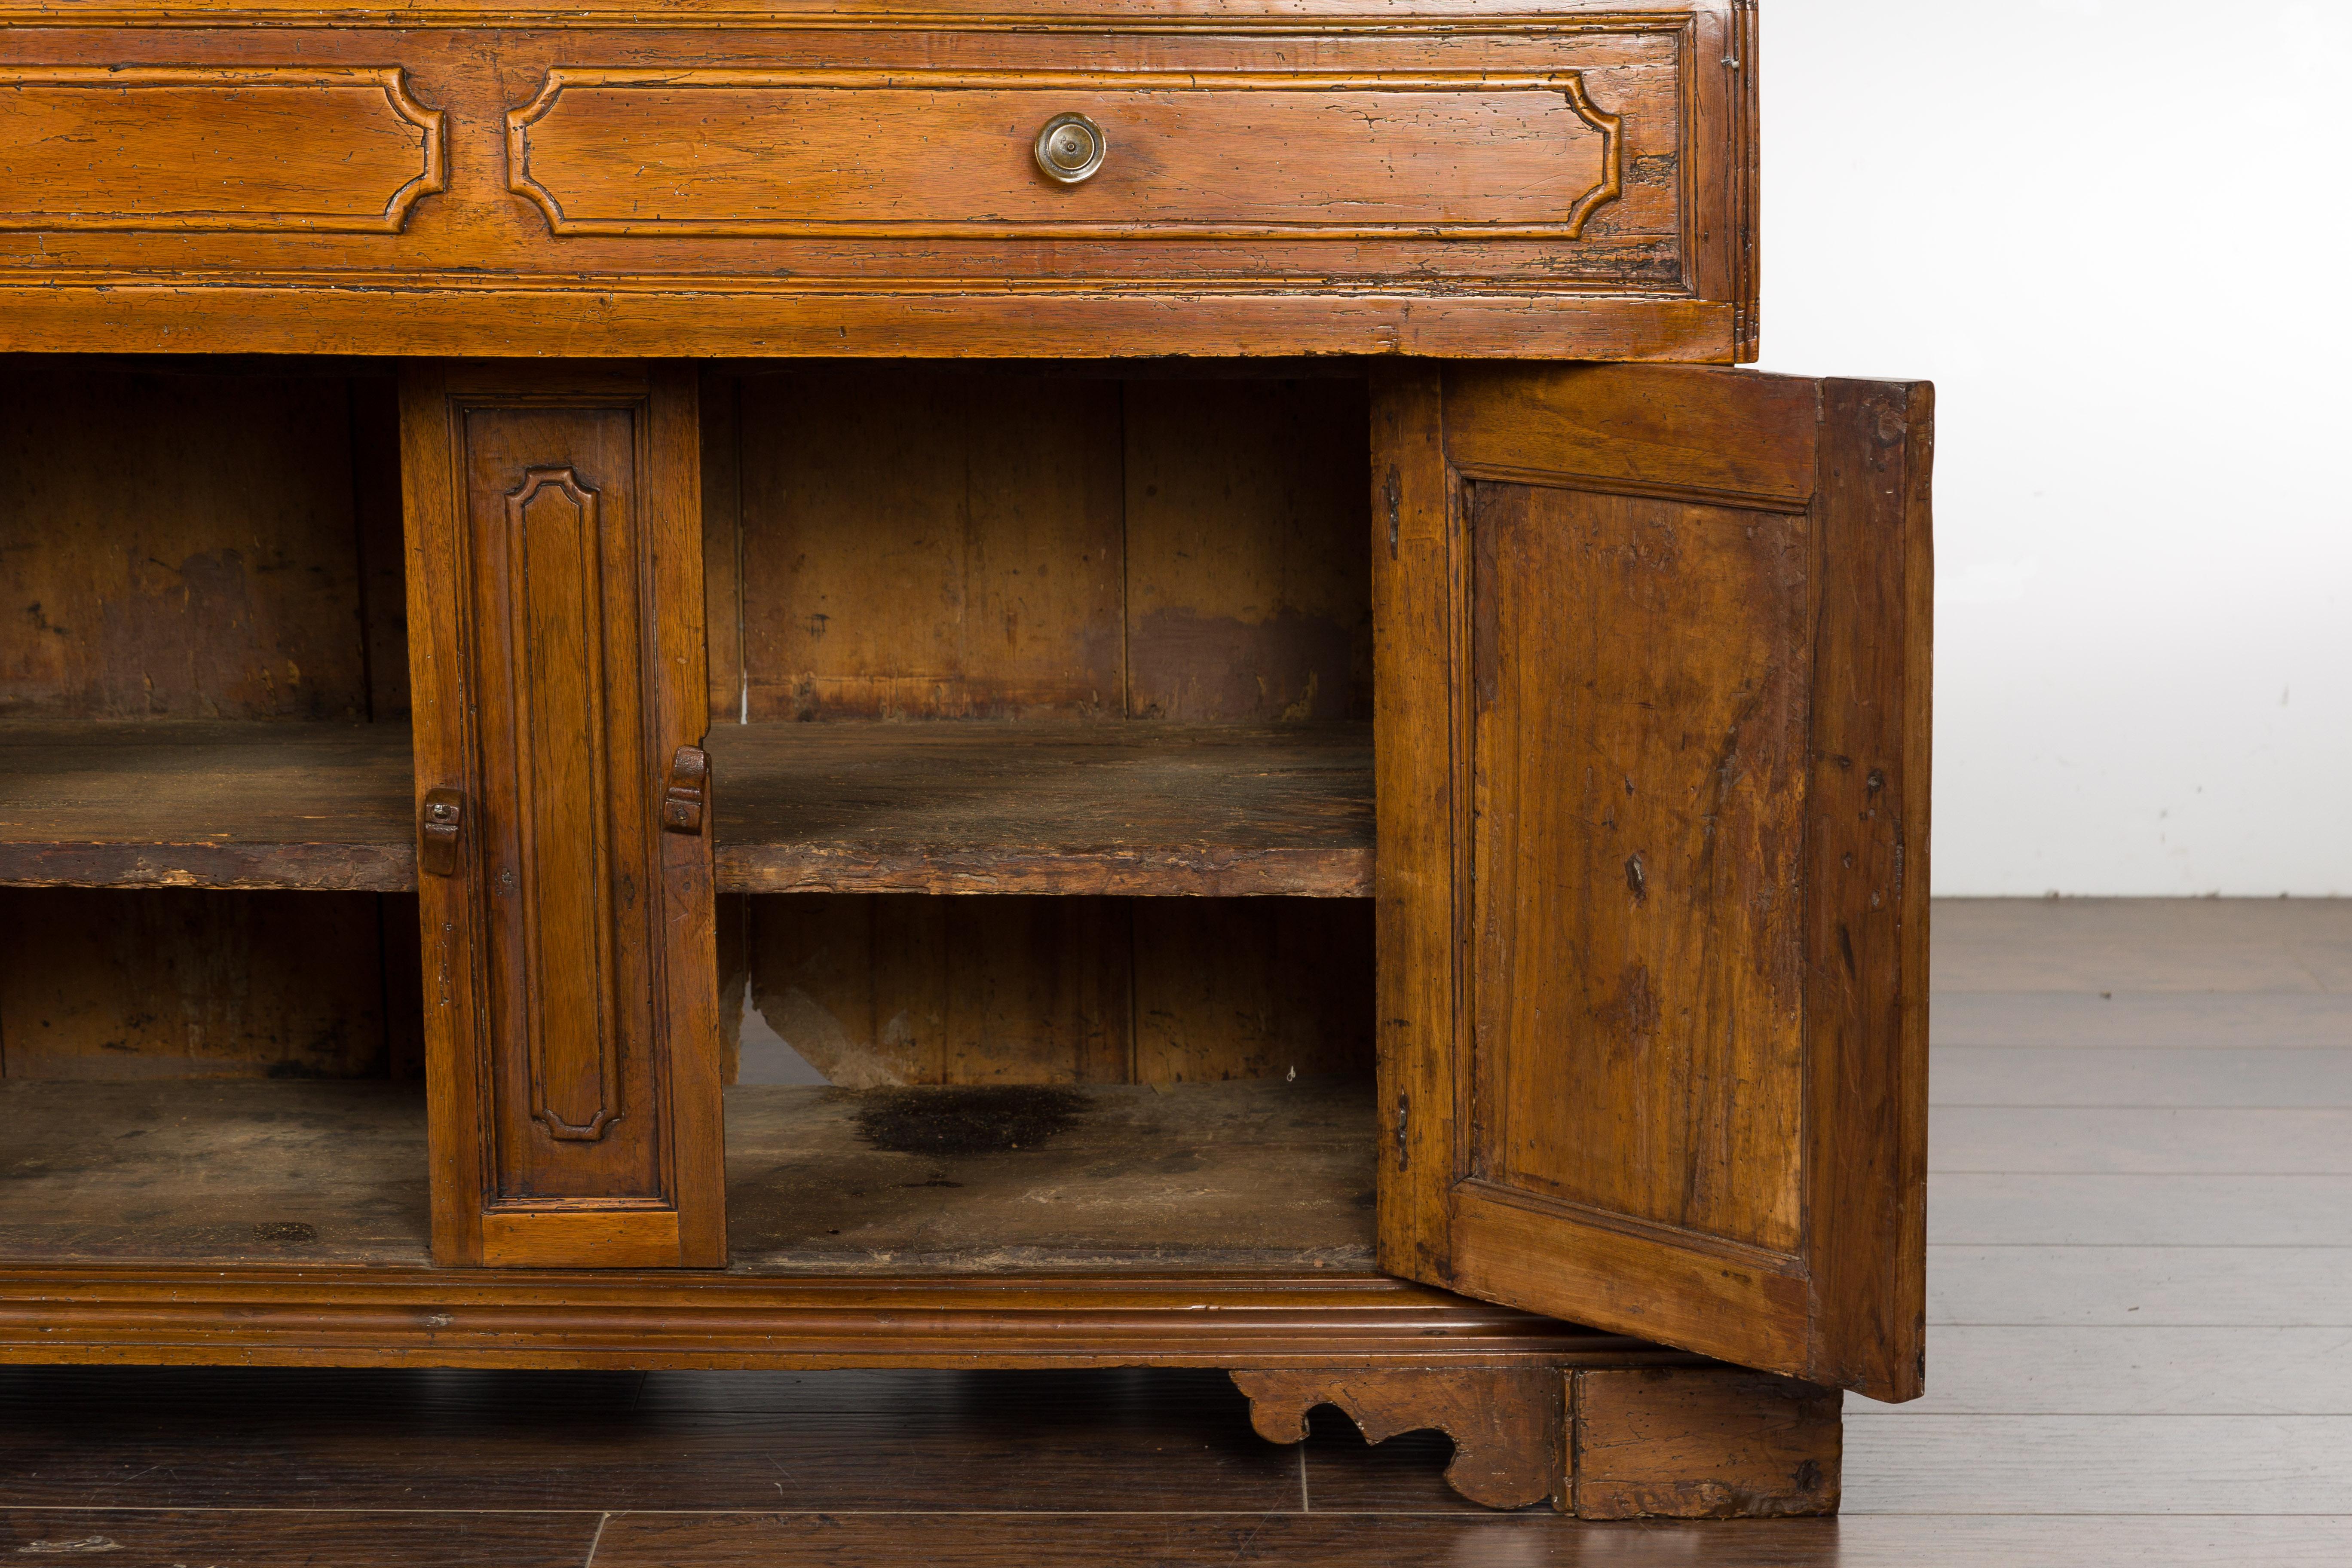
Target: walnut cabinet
x,y
819,686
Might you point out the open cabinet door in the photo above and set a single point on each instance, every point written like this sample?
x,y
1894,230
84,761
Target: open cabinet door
x,y
556,662
1652,674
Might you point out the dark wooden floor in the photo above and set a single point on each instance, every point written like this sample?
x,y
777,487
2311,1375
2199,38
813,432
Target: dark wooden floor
x,y
2140,1285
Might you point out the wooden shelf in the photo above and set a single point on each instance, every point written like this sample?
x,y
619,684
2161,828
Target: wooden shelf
x,y
223,1171
1139,807
1237,1177
1117,808
181,804
1245,1177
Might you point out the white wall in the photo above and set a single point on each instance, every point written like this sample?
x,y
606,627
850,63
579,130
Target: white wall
x,y
2114,233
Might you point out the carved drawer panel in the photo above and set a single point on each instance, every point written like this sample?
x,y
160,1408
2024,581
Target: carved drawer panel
x,y
1181,156
1566,178
228,150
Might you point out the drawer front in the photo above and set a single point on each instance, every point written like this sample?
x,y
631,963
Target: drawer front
x,y
1183,156
1568,181
233,150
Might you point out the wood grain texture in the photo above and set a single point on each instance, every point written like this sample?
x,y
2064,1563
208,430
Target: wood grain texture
x,y
220,1172
2129,1465
330,313
1509,1427
1062,1441
618,1318
1865,944
1643,817
1240,1178
1375,1540
2154,1139
1247,577
718,399
1143,808
180,545
574,1043
1703,1443
2181,956
279,1539
875,991
2139,1370
179,984
218,150
2152,1283
1416,636
1258,990
206,805
1156,809
374,402
1679,1073
1187,243
1430,153
2093,1020
2168,1076
930,546
2131,1211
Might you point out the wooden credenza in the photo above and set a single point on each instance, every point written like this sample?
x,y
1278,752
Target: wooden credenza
x,y
822,685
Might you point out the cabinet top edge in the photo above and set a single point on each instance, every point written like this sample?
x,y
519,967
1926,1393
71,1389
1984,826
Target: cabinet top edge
x,y
1016,16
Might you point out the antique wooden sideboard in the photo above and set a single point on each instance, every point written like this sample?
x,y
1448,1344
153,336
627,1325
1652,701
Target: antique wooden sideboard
x,y
799,683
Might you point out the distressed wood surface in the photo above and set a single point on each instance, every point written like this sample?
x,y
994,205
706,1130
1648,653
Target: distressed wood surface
x,y
920,545
1248,580
554,529
1509,1427
875,991
1371,1539
282,1314
206,805
1675,1443
219,1172
1144,808
1255,1177
1557,183
180,983
1014,542
181,544
1727,1151
386,1540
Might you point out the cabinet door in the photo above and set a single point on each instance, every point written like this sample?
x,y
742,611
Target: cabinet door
x,y
1652,653
555,601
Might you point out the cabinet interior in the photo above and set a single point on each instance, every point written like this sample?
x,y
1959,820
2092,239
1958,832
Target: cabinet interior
x,y
1041,732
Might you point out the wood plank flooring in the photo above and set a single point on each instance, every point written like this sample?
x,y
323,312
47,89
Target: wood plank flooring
x,y
2141,1293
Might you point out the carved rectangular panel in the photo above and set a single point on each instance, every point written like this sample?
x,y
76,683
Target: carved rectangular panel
x,y
223,150
1637,789
556,591
1185,154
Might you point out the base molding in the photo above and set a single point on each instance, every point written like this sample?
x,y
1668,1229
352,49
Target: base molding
x,y
1603,1426
647,1319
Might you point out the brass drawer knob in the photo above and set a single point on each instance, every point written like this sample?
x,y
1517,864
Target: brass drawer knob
x,y
1070,148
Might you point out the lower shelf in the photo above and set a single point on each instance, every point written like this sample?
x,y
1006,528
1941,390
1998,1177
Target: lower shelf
x,y
1260,1176
1257,1176
213,1172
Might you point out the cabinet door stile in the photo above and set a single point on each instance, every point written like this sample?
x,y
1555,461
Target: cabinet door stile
x,y
555,579
1666,687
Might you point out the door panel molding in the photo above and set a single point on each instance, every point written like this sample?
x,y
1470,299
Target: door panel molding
x,y
1652,655
556,600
